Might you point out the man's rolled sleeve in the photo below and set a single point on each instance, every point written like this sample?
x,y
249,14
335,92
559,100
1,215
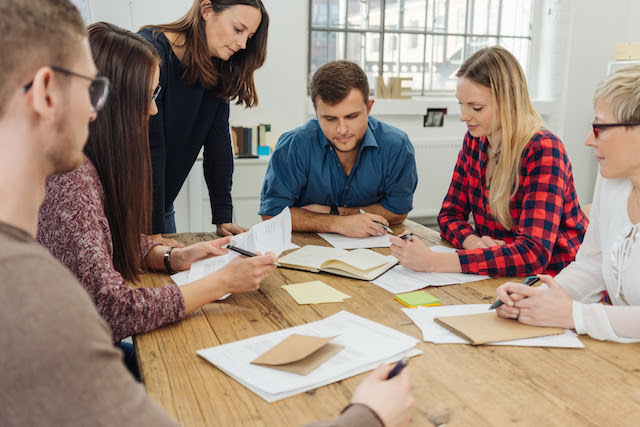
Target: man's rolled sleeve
x,y
285,177
403,180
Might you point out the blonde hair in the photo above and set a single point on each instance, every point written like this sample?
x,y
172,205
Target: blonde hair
x,y
621,90
497,69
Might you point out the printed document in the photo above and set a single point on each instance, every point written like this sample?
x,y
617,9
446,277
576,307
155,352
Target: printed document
x,y
399,280
367,344
344,242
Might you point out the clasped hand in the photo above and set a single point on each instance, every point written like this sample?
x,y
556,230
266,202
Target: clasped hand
x,y
536,306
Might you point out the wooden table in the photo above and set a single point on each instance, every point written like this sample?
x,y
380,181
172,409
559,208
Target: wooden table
x,y
457,385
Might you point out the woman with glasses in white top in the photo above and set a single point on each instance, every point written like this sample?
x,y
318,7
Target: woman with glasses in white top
x,y
609,258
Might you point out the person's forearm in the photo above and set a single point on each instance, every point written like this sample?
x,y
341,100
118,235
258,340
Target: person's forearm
x,y
155,258
377,209
306,221
444,263
201,292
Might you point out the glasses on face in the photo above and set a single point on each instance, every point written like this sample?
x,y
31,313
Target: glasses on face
x,y
598,126
156,92
98,89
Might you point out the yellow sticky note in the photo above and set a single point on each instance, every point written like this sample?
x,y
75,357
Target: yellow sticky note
x,y
315,292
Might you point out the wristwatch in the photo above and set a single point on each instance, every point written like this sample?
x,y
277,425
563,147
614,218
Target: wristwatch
x,y
334,210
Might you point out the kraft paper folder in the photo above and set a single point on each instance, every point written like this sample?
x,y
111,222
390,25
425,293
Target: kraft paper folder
x,y
488,327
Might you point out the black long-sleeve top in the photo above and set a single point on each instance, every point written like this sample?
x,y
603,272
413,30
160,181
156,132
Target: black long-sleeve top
x,y
189,117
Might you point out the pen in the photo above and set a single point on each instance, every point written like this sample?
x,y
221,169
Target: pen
x,y
378,222
245,252
399,367
528,281
408,236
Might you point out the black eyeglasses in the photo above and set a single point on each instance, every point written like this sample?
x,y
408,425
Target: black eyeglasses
x,y
598,126
156,92
98,90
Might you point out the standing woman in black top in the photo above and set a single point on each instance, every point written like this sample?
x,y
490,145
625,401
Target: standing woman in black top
x,y
208,59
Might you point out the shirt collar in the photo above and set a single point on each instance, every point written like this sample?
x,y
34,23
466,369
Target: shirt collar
x,y
369,139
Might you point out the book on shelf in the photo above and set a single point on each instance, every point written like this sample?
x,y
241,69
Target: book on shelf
x,y
363,264
247,140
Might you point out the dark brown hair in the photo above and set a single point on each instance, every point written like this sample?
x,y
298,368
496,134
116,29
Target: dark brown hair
x,y
333,82
36,33
118,142
232,78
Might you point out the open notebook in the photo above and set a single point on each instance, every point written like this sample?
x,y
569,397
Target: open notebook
x,y
363,264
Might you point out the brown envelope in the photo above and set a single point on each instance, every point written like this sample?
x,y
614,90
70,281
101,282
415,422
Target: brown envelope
x,y
488,327
299,354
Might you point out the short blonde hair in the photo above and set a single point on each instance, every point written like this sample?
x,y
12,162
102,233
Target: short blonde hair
x,y
621,90
36,33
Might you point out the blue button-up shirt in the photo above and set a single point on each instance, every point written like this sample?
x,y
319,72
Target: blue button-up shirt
x,y
305,169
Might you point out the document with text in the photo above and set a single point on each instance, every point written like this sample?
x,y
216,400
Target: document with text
x,y
343,242
366,345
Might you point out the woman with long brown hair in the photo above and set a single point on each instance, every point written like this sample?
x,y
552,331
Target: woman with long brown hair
x,y
208,59
512,175
93,219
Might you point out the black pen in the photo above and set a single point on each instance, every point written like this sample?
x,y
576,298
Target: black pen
x,y
245,252
241,251
407,236
398,368
378,222
531,280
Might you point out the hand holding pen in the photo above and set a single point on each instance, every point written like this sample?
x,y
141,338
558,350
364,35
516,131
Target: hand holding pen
x,y
386,227
531,280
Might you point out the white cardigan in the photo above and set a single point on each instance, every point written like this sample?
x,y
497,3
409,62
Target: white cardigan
x,y
608,259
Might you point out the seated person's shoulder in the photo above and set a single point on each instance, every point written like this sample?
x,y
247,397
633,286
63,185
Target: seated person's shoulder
x,y
388,134
545,143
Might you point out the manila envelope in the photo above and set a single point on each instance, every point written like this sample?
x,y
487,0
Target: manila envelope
x,y
299,354
486,328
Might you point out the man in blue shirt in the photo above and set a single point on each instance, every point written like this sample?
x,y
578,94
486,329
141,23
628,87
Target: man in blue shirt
x,y
341,163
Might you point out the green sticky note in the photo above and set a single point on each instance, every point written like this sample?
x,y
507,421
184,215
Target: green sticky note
x,y
414,299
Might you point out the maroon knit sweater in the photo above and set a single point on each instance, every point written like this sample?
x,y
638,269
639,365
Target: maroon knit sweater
x,y
73,226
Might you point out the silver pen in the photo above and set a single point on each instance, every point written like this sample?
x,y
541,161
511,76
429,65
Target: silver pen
x,y
378,222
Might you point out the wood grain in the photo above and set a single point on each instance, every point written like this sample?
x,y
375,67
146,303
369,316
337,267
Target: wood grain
x,y
456,385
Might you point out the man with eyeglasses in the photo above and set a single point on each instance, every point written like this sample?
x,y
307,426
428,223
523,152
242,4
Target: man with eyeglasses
x,y
59,366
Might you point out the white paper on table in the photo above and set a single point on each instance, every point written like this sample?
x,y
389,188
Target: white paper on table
x,y
443,249
438,334
399,279
344,242
367,344
207,266
272,235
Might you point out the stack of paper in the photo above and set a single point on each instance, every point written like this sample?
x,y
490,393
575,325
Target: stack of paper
x,y
366,345
315,292
424,317
273,235
399,279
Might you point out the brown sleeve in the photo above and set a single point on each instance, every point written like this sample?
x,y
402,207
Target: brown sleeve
x,y
354,415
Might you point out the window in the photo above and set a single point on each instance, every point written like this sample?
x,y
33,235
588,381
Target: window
x,y
426,40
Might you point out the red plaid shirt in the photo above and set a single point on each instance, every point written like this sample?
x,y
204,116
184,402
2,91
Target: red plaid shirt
x,y
549,223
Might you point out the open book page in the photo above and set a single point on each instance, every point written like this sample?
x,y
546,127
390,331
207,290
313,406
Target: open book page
x,y
400,280
366,343
423,317
360,264
344,242
310,257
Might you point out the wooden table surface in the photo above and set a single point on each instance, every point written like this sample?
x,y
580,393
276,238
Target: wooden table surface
x,y
454,384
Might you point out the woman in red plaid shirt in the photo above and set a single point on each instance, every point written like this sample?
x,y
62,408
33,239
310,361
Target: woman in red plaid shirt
x,y
512,174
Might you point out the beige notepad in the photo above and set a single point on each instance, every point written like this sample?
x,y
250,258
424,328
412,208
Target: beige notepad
x,y
299,354
363,264
488,327
315,292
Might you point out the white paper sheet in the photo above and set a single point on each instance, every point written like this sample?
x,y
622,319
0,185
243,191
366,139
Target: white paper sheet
x,y
273,235
399,279
435,333
344,242
367,344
